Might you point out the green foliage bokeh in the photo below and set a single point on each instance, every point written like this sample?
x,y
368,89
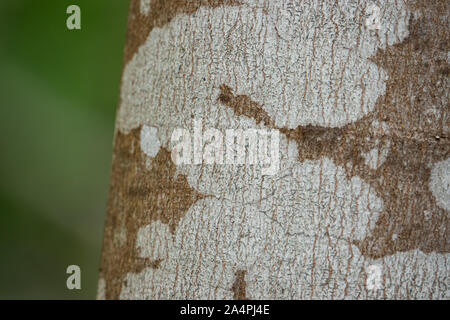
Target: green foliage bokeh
x,y
59,92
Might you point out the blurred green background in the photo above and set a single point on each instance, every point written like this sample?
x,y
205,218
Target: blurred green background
x,y
59,91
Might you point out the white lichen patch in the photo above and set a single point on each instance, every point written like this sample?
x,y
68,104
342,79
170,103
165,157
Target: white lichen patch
x,y
150,144
380,128
144,7
415,275
101,289
320,75
440,183
376,157
154,241
295,243
301,224
120,236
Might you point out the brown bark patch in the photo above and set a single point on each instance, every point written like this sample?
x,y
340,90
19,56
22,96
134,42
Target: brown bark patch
x,y
243,105
140,194
411,218
416,84
239,287
161,13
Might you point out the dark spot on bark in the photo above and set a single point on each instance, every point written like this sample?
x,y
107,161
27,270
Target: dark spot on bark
x,y
239,287
139,196
242,105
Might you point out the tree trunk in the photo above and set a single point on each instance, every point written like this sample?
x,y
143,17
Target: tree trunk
x,y
349,194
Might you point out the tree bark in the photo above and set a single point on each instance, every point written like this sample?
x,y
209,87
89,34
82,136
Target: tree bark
x,y
358,206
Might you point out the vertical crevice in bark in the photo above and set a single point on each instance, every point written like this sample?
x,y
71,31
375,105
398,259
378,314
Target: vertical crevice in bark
x,y
240,286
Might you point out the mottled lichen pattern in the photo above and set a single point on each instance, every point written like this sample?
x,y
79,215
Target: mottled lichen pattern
x,y
363,117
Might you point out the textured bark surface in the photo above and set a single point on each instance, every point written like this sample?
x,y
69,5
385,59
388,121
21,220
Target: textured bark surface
x,y
364,175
